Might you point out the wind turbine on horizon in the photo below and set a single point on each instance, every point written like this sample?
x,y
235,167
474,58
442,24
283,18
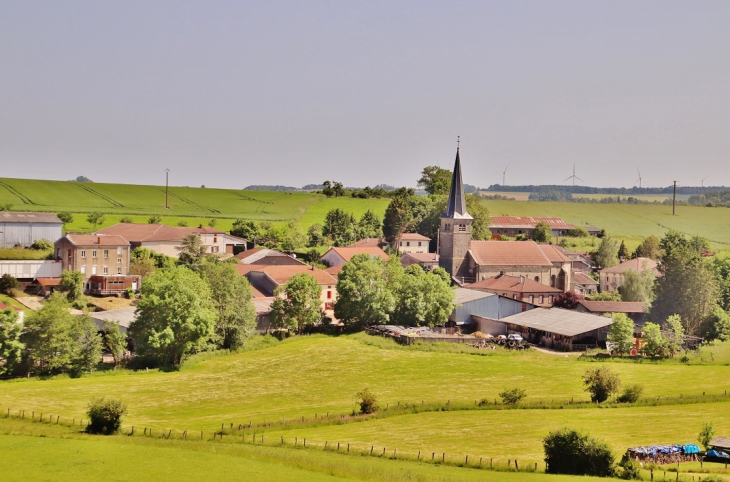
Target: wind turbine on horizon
x,y
574,177
504,175
702,181
638,180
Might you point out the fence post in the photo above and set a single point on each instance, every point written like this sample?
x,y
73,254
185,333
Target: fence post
x,y
58,417
517,467
443,457
201,435
130,434
348,448
305,442
282,440
466,461
371,450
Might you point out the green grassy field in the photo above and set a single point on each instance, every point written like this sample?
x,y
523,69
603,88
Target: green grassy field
x,y
320,375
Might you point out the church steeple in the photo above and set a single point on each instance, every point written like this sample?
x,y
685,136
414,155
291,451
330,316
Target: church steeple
x,y
457,203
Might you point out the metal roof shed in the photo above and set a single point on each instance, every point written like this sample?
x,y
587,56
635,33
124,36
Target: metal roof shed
x,y
559,328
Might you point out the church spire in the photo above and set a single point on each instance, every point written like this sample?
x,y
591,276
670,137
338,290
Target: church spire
x,y
457,201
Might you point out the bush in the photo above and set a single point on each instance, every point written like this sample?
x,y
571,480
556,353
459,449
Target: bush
x,y
8,283
601,383
577,233
367,401
126,219
513,396
65,217
571,452
130,293
631,470
105,416
42,245
631,394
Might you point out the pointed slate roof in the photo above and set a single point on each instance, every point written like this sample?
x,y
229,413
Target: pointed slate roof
x,y
457,201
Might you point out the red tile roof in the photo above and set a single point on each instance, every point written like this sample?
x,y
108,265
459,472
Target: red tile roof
x,y
49,281
138,233
335,270
512,283
527,222
368,242
414,237
508,253
637,264
583,279
613,306
554,254
253,256
348,253
280,274
423,257
96,240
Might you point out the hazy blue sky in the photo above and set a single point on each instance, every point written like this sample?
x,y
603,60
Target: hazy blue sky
x,y
229,94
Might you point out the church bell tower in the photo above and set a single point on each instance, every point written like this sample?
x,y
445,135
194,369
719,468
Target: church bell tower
x,y
455,231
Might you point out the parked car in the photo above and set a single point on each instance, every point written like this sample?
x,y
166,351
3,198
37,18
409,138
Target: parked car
x,y
515,337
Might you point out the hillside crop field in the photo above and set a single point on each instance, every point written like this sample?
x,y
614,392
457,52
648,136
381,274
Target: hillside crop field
x,y
317,377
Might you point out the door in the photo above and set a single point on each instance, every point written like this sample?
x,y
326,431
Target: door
x,y
134,285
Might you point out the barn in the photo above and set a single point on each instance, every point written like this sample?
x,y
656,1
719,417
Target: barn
x,y
23,229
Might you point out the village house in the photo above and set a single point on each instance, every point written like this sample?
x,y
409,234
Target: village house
x,y
102,259
166,240
513,226
23,229
368,243
428,261
579,261
636,310
413,243
584,284
338,256
612,278
266,278
518,288
266,256
469,261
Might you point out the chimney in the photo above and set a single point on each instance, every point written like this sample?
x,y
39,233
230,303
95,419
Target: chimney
x,y
522,279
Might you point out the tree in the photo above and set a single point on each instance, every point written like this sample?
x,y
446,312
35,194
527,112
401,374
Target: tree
x,y
126,219
363,295
407,211
367,401
422,299
542,233
142,265
601,383
607,253
435,180
649,248
605,296
568,300
675,341
72,283
212,223
294,238
338,188
480,224
96,218
621,333
231,296
114,341
105,416
175,316
182,224
717,325
57,341
327,189
654,341
11,348
706,435
369,226
623,252
246,229
575,453
297,303
192,251
720,267
315,236
154,219
339,226
686,286
8,283
65,217
513,396
638,286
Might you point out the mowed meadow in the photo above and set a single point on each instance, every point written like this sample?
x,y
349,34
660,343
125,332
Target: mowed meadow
x,y
194,206
317,377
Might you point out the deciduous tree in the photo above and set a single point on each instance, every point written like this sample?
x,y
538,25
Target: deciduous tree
x,y
435,180
114,341
297,304
65,217
649,248
11,348
72,283
601,383
363,295
638,287
621,332
340,226
192,252
542,233
96,218
175,316
607,253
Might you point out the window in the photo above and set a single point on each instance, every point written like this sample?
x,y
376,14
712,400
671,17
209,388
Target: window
x,y
93,254
119,270
106,269
532,298
119,260
401,243
83,253
215,239
93,269
329,295
514,297
119,250
537,278
524,307
83,269
462,228
419,243
106,253
214,249
542,299
408,243
447,227
550,299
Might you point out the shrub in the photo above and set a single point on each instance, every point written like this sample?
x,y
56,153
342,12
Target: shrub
x,y
631,394
105,416
154,219
130,293
601,383
513,396
41,245
706,434
8,283
577,233
631,470
367,401
126,219
571,452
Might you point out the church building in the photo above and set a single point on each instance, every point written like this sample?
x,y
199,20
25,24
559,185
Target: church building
x,y
470,261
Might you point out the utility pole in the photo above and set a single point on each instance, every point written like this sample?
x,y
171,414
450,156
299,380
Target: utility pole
x,y
674,198
167,183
